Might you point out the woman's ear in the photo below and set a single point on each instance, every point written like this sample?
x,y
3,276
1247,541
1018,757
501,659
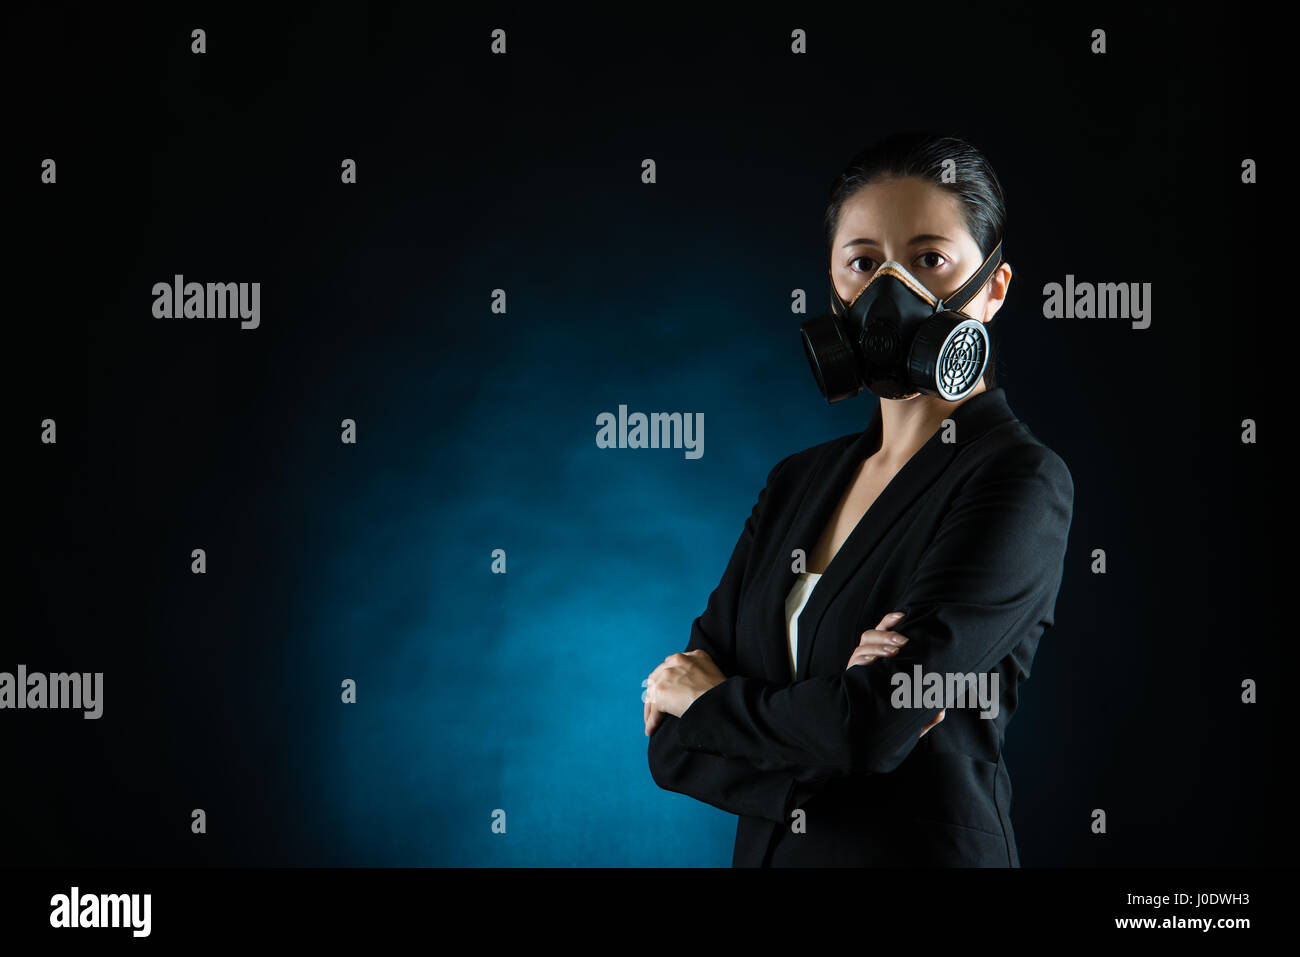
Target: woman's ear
x,y
998,285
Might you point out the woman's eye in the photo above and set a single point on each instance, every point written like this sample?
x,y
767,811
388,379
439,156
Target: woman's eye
x,y
930,265
860,259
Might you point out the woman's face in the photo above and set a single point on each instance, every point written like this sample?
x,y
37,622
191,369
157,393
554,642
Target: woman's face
x,y
919,225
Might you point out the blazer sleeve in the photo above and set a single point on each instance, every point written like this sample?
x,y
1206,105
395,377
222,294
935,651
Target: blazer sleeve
x,y
730,783
990,575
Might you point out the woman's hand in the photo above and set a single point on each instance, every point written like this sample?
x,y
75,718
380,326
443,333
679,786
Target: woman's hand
x,y
674,685
881,643
878,643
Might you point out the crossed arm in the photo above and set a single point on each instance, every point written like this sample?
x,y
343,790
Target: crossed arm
x,y
754,747
734,784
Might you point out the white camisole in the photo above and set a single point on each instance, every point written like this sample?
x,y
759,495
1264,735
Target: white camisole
x,y
803,587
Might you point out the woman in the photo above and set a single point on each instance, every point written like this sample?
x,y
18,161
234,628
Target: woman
x,y
924,552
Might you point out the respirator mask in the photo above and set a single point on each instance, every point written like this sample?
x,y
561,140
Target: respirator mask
x,y
898,340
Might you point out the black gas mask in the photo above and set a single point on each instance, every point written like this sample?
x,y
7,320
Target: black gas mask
x,y
898,340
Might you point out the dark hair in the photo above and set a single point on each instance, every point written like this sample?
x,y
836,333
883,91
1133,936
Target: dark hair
x,y
923,154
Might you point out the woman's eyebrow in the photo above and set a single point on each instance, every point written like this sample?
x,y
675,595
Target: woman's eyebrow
x,y
923,238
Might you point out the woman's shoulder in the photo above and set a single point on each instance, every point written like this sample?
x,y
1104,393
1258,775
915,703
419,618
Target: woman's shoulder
x,y
1014,450
804,461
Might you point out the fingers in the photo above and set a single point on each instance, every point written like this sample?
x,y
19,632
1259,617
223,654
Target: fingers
x,y
875,636
645,701
650,710
866,654
893,618
933,723
876,644
654,718
881,642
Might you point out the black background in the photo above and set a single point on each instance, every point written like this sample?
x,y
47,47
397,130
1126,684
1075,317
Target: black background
x,y
1119,168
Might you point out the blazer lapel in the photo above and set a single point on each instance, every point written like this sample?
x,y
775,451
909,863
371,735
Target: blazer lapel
x,y
820,497
973,417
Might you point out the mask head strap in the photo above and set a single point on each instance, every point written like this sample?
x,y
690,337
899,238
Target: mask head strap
x,y
971,287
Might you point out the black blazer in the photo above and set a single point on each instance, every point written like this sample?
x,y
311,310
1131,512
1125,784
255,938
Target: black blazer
x,y
968,539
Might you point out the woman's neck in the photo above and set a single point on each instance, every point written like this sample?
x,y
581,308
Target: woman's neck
x,y
907,424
